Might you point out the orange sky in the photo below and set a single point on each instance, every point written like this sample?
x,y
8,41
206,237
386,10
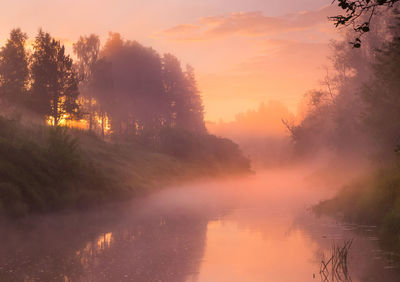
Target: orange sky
x,y
244,52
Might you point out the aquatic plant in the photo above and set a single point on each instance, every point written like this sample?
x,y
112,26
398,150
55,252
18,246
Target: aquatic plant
x,y
335,268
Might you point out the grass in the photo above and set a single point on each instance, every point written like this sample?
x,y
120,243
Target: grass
x,y
335,267
43,169
372,200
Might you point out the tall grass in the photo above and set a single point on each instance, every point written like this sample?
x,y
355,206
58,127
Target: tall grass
x,y
334,267
373,200
45,168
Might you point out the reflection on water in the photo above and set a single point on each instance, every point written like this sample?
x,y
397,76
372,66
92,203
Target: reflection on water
x,y
251,229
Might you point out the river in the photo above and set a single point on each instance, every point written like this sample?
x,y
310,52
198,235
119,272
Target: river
x,y
253,228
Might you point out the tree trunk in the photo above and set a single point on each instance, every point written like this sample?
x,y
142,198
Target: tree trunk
x,y
102,125
90,115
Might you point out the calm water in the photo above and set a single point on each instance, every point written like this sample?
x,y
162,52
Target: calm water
x,y
255,228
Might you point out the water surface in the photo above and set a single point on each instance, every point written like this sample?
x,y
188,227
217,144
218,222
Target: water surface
x,y
255,228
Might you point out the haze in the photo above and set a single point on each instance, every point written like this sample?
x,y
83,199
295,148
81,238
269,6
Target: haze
x,y
249,51
210,141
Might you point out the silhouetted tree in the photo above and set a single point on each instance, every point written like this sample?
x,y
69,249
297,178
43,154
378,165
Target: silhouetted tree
x,y
381,97
103,90
54,81
87,50
140,102
339,117
174,85
14,71
194,120
185,105
359,13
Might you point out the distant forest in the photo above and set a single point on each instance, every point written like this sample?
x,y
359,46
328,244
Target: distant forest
x,y
356,111
123,90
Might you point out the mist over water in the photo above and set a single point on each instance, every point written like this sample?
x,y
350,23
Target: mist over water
x,y
253,228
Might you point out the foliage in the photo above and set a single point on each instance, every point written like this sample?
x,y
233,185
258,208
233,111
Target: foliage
x,y
145,92
184,102
126,88
373,200
359,13
139,98
382,100
41,169
63,153
154,109
54,81
87,50
203,148
14,70
45,169
343,116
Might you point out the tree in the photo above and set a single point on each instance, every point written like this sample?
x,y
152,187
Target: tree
x,y
14,71
174,86
186,110
87,49
140,102
103,90
194,108
359,13
381,97
54,81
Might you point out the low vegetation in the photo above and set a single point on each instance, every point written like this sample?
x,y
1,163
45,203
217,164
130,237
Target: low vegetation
x,y
373,200
118,121
356,116
46,168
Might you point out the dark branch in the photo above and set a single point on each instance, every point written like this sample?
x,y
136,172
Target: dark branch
x,y
354,10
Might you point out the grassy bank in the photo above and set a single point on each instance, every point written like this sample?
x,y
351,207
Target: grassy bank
x,y
372,200
44,169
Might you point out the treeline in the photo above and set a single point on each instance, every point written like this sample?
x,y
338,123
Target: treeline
x,y
356,111
124,89
141,115
357,115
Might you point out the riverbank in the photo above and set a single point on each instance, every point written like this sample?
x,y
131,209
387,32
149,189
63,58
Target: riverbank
x,y
198,231
44,169
371,200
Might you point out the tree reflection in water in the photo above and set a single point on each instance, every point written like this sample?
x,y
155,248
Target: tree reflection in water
x,y
103,246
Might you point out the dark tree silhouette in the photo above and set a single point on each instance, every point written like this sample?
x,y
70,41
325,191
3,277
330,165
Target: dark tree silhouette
x,y
380,95
194,109
103,90
87,50
357,113
140,102
359,13
14,71
174,85
186,110
54,81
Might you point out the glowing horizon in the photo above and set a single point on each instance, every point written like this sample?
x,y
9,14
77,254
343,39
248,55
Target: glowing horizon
x,y
243,53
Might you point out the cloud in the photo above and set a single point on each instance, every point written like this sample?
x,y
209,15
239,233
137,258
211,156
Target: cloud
x,y
248,24
182,28
283,70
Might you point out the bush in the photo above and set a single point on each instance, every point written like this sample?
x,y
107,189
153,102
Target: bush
x,y
63,152
374,200
203,148
11,201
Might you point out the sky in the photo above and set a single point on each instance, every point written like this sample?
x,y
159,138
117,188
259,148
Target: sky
x,y
244,51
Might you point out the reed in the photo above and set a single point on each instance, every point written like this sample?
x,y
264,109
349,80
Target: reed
x,y
335,268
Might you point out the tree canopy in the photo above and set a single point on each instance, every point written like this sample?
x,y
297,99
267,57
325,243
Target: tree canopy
x,y
359,14
126,88
14,71
54,81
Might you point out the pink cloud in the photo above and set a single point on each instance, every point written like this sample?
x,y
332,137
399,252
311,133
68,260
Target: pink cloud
x,y
249,24
182,28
